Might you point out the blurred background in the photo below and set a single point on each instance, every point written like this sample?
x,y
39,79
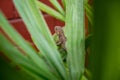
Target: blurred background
x,y
104,59
8,8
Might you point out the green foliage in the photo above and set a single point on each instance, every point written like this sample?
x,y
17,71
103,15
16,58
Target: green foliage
x,y
75,37
58,7
105,54
50,11
12,73
46,64
89,12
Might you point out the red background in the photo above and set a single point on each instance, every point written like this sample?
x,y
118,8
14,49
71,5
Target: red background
x,y
8,8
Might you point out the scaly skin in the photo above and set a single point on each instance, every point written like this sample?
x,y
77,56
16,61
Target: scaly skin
x,y
62,39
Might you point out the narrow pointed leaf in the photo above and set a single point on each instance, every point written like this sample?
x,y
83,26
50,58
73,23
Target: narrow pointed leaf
x,y
75,37
41,35
9,73
89,12
64,3
18,59
57,6
23,45
50,11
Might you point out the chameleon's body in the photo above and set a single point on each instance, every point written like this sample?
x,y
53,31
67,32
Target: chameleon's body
x,y
61,37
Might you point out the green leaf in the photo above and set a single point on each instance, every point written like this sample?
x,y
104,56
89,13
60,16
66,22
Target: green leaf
x,y
18,59
86,1
84,78
9,73
41,35
88,41
105,50
57,6
31,53
50,11
75,37
64,3
89,12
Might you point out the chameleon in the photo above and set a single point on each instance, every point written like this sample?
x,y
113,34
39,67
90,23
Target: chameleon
x,y
61,37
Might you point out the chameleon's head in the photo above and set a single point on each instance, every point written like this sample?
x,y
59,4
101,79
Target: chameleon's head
x,y
58,29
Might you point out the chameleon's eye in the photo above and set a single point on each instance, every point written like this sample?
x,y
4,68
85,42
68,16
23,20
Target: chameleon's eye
x,y
57,28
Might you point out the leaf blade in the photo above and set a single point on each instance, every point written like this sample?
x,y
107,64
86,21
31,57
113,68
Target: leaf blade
x,y
50,11
57,6
41,36
75,37
23,45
